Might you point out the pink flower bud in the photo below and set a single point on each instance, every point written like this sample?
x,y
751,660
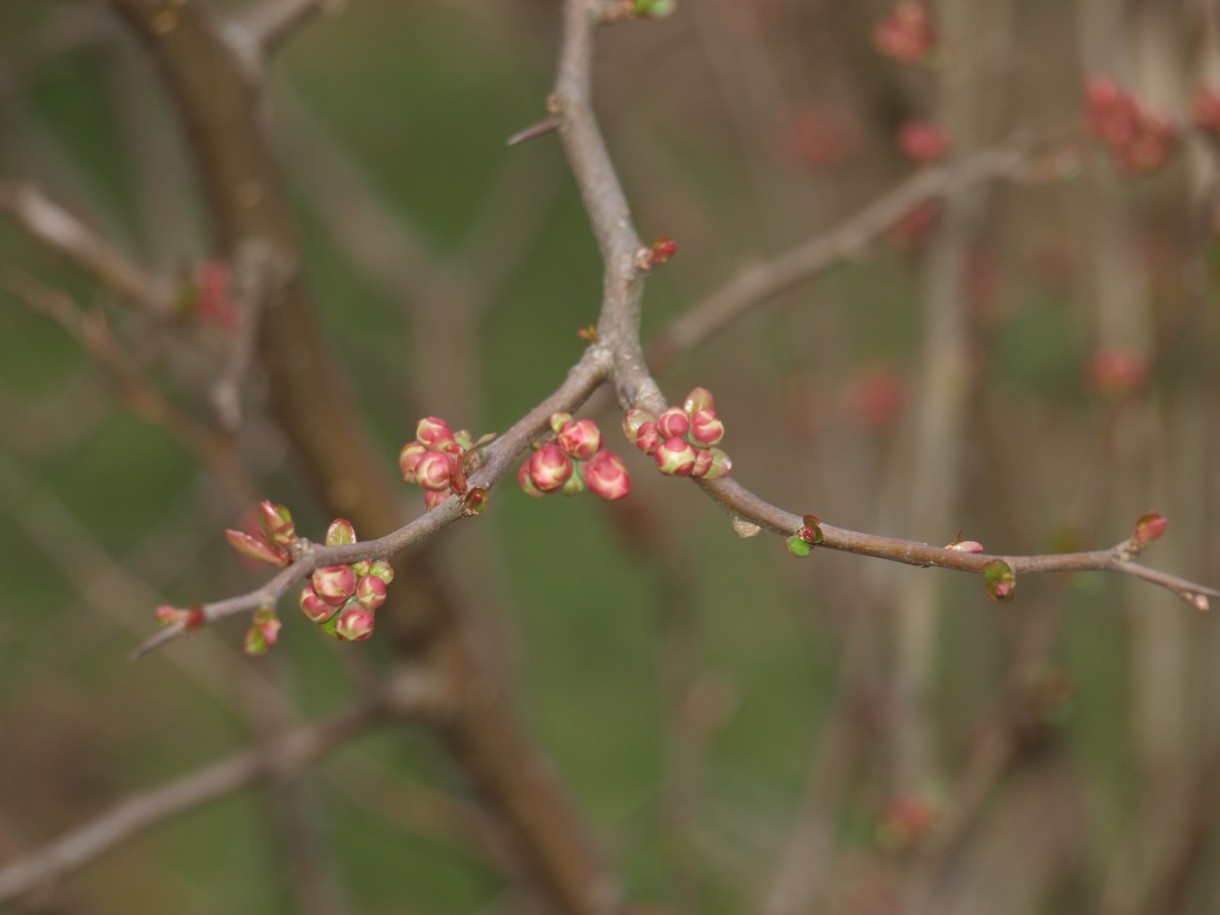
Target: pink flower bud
x,y
1001,582
580,438
965,546
435,471
355,624
550,468
1116,372
256,548
662,249
334,584
340,532
559,420
370,592
433,498
698,399
673,423
1150,527
408,459
606,475
675,457
649,438
706,429
168,616
433,433
277,523
922,142
314,608
632,422
526,484
715,465
907,33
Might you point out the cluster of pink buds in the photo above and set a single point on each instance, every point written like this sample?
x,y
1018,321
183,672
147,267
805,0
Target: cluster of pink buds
x,y
573,459
342,599
438,461
1141,140
907,34
922,141
681,439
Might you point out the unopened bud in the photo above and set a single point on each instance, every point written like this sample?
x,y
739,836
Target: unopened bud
x,y
798,547
965,546
435,471
673,423
559,420
474,501
433,498
606,475
1150,527
370,592
276,522
698,399
314,608
334,584
634,418
355,624
433,432
550,468
262,634
649,438
706,429
675,457
1001,582
715,465
526,484
408,459
580,438
382,570
256,548
340,532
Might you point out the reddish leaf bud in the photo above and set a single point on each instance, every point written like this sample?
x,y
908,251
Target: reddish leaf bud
x,y
314,608
716,465
434,433
432,499
276,522
256,548
798,547
661,250
435,471
559,420
606,475
340,532
526,484
580,438
632,422
675,457
673,423
1001,582
334,584
811,530
474,501
706,429
965,546
408,459
355,624
550,468
1150,527
262,634
370,592
698,399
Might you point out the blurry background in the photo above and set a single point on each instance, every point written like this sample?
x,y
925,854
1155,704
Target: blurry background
x,y
1032,361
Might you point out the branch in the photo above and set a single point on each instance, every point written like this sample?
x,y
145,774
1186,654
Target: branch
x,y
619,329
266,25
296,750
53,226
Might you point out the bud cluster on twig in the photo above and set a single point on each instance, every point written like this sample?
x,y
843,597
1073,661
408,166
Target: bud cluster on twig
x,y
439,461
681,439
571,459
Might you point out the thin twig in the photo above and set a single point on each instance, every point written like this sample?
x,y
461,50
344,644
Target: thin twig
x,y
268,24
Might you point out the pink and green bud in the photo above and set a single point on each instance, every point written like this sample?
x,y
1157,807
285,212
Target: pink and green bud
x,y
580,438
811,530
606,475
526,484
256,548
711,464
663,248
432,499
632,422
435,471
433,433
315,609
798,546
334,584
277,524
168,616
1150,527
965,546
355,624
706,429
464,440
575,484
370,592
382,569
673,423
474,501
1001,582
675,457
340,532
408,460
263,633
361,568
550,468
559,420
698,399
649,438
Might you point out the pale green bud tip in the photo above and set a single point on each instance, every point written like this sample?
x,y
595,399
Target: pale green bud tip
x,y
340,532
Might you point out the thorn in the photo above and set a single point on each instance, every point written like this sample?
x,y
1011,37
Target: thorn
x,y
549,125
